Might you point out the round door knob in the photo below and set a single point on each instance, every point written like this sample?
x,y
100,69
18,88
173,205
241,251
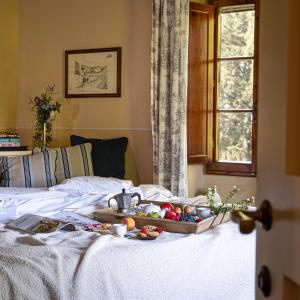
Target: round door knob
x,y
264,281
247,219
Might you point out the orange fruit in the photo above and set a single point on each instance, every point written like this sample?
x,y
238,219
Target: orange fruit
x,y
129,222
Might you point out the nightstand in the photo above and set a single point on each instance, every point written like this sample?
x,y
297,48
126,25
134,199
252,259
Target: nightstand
x,y
15,151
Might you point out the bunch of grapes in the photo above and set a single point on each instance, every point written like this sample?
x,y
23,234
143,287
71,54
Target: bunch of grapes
x,y
186,218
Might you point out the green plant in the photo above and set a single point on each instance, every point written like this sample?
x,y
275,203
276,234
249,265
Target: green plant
x,y
45,109
226,205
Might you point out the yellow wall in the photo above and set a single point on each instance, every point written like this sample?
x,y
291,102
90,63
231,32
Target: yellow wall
x,y
8,56
48,28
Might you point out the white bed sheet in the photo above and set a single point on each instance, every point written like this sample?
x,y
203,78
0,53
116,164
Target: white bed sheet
x,y
15,202
218,264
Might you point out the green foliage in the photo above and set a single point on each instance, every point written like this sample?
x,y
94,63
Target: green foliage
x,y
45,109
226,205
236,86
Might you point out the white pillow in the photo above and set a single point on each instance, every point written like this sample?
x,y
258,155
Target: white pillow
x,y
72,161
37,170
93,185
149,190
202,200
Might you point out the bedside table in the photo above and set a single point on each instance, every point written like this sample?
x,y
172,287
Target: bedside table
x,y
15,152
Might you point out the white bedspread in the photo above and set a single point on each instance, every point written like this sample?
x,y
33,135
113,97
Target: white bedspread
x,y
81,265
218,264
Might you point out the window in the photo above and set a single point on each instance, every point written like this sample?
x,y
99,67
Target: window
x,y
234,98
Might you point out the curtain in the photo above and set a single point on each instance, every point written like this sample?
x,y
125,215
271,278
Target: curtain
x,y
169,60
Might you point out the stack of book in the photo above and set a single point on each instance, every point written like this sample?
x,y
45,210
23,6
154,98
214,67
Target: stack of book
x,y
9,140
10,145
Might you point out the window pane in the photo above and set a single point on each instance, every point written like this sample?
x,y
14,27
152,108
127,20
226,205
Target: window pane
x,y
237,33
236,84
235,137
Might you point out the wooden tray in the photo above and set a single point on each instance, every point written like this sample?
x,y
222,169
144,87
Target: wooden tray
x,y
110,215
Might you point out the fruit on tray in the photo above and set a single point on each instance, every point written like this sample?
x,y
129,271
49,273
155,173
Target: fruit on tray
x,y
129,222
168,206
154,215
141,214
186,218
168,211
188,209
172,216
178,210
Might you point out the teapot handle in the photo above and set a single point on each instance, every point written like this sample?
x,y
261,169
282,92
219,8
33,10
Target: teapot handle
x,y
110,199
139,197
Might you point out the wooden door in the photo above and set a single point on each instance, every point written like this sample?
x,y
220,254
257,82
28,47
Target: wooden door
x,y
279,145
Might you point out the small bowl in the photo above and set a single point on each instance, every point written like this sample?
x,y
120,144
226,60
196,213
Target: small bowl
x,y
203,212
151,208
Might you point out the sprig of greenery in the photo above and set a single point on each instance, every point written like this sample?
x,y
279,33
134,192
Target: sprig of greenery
x,y
45,109
224,206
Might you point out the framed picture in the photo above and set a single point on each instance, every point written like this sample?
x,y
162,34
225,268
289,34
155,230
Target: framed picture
x,y
93,73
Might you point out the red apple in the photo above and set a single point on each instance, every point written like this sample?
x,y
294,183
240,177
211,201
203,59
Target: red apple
x,y
168,206
170,215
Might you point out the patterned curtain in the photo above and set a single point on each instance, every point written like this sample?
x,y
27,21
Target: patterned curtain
x,y
169,58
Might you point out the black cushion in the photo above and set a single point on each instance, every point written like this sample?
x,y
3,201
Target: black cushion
x,y
108,156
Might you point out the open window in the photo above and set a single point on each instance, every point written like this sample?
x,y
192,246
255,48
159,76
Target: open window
x,y
222,89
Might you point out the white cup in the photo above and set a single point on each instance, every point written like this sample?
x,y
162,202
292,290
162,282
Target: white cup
x,y
119,229
203,212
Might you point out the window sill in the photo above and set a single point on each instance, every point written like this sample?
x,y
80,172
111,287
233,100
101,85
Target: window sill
x,y
231,169
198,159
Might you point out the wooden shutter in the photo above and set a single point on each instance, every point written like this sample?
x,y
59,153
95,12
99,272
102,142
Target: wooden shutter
x,y
200,83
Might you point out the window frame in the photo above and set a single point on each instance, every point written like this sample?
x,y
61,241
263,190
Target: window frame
x,y
231,168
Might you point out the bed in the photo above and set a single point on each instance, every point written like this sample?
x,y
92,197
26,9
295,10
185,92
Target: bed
x,y
217,264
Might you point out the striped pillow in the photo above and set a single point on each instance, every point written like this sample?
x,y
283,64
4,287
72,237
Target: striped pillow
x,y
37,170
72,161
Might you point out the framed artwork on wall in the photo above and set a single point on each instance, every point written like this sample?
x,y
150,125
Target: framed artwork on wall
x,y
93,73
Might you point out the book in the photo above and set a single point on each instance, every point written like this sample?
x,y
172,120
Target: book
x,y
9,135
10,144
30,223
20,148
7,140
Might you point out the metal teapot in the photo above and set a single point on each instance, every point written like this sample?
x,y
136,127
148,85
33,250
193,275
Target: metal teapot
x,y
124,200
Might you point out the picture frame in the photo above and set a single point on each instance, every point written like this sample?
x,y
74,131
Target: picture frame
x,y
93,73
